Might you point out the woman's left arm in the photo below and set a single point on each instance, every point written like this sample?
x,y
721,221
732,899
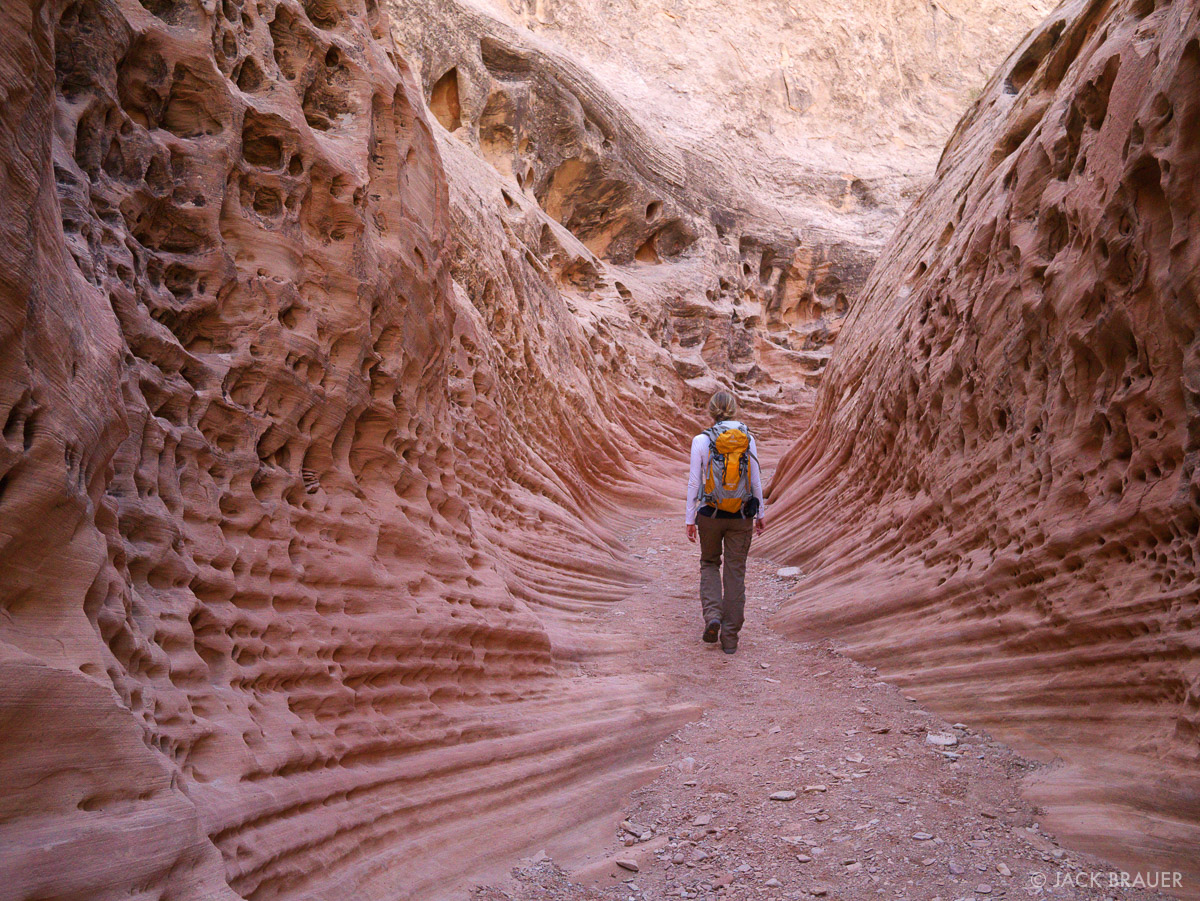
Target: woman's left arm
x,y
756,486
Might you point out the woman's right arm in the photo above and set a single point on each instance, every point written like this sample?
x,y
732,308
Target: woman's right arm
x,y
693,492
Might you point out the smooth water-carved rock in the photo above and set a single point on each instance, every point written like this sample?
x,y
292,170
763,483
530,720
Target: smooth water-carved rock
x,y
999,502
722,282
299,537
763,152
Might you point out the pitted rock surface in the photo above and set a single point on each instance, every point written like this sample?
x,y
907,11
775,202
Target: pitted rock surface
x,y
998,501
297,531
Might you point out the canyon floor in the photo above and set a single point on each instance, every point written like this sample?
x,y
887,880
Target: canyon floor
x,y
879,811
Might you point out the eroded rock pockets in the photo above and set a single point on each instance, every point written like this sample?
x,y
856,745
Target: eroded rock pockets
x,y
293,525
999,499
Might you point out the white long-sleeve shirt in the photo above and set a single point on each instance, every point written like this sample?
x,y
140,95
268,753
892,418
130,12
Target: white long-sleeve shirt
x,y
700,459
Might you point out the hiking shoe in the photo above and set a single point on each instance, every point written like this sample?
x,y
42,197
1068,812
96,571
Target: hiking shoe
x,y
711,631
732,649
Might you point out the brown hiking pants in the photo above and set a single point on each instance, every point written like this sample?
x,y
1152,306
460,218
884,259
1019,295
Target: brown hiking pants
x,y
732,537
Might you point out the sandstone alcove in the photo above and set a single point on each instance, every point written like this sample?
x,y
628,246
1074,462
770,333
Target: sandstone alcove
x,y
443,101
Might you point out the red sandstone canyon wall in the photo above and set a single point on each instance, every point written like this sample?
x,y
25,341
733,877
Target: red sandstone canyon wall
x,y
999,499
740,287
293,527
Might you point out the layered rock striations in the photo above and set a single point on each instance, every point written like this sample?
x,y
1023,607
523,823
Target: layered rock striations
x,y
299,532
998,501
836,111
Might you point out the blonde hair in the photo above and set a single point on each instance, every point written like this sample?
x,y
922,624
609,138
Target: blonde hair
x,y
722,406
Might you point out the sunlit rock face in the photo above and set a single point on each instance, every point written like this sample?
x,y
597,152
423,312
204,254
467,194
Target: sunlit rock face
x,y
803,97
299,540
737,226
998,502
620,217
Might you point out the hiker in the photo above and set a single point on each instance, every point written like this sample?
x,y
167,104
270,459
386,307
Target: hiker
x,y
725,506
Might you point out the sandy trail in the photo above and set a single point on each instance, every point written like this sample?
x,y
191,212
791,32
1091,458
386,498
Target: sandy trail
x,y
879,811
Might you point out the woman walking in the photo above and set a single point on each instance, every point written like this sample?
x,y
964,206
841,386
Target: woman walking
x,y
725,506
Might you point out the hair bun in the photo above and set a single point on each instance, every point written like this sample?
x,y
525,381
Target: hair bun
x,y
722,405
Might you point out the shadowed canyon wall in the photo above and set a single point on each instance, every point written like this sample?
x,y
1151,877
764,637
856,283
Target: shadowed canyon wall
x,y
999,499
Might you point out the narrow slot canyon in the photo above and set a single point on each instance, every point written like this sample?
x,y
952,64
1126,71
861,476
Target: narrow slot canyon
x,y
350,356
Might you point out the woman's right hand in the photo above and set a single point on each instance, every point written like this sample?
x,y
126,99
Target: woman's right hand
x,y
690,528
